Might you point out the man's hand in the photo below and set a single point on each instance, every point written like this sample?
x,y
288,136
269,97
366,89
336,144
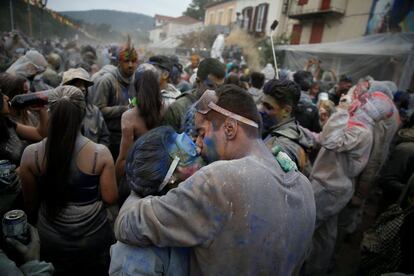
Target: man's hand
x,y
28,252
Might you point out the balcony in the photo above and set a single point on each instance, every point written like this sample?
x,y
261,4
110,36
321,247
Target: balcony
x,y
316,8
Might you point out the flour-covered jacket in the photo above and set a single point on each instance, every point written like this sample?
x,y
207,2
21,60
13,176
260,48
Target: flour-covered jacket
x,y
151,260
241,217
110,93
384,132
346,146
169,95
94,126
294,142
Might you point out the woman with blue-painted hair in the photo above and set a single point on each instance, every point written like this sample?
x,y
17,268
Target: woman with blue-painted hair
x,y
159,160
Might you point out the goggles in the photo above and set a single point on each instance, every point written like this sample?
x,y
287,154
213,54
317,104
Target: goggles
x,y
207,102
184,153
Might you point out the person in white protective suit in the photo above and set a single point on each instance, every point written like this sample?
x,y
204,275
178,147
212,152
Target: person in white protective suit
x,y
346,142
384,131
31,66
269,72
218,47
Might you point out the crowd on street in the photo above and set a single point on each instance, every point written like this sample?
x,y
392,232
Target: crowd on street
x,y
132,165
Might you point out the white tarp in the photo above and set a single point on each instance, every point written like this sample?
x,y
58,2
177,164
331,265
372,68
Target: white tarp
x,y
382,56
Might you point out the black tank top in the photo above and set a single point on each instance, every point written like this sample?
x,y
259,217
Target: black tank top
x,y
83,188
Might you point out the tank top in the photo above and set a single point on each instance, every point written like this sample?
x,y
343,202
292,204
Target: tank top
x,y
84,187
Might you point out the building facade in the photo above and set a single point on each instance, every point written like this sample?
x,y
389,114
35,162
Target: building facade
x,y
167,27
221,13
320,21
254,16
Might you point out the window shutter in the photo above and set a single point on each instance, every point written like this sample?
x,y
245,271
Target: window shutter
x,y
296,33
243,13
250,16
317,32
254,20
326,4
266,7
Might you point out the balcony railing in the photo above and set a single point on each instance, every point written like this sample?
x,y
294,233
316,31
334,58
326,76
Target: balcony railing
x,y
315,8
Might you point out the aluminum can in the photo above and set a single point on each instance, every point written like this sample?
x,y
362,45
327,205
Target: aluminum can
x,y
6,168
15,226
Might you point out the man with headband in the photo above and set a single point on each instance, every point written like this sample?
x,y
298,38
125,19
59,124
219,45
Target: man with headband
x,y
244,214
111,92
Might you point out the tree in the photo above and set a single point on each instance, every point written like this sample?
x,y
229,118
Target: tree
x,y
199,39
196,9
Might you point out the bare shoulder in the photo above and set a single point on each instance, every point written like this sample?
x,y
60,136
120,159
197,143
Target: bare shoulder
x,y
29,153
129,118
103,152
129,114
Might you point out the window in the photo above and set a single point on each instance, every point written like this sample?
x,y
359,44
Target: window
x,y
326,4
296,33
317,32
229,16
261,16
220,18
212,18
247,17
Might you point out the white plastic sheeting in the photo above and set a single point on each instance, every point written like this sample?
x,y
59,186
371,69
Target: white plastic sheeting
x,y
382,56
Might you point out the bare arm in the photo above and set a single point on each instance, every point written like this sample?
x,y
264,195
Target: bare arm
x,y
126,142
107,180
27,173
32,133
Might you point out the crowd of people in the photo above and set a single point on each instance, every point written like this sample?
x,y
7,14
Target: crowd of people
x,y
143,166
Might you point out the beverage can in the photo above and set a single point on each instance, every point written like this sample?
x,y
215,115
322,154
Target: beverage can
x,y
15,226
6,168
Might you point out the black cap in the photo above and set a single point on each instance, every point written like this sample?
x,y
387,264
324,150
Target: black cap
x,y
345,78
163,62
211,66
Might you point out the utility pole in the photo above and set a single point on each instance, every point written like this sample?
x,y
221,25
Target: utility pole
x,y
11,15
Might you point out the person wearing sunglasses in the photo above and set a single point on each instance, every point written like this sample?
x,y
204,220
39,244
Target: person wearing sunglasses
x,y
243,214
157,162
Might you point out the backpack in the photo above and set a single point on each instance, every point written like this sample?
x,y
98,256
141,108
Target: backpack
x,y
381,244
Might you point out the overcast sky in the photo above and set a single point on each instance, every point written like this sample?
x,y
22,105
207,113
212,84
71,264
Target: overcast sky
x,y
148,7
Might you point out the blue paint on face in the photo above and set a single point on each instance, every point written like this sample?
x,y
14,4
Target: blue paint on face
x,y
268,121
209,150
